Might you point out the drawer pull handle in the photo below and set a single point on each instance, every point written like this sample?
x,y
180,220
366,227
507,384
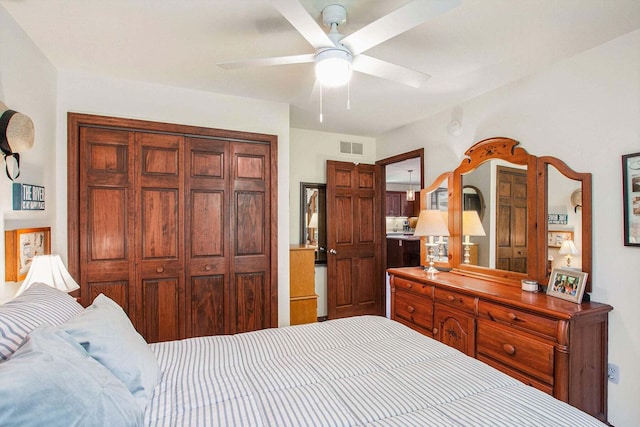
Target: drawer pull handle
x,y
159,269
509,349
435,331
207,267
410,309
512,316
451,297
409,285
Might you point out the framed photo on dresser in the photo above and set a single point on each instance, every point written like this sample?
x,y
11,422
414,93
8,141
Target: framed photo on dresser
x,y
567,283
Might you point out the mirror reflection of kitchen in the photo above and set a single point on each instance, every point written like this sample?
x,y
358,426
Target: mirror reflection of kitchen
x,y
401,210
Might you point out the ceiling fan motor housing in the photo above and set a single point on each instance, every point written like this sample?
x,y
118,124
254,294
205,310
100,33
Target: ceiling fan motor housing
x,y
334,14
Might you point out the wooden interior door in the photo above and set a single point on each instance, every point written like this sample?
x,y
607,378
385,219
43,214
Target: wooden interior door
x,y
511,219
252,287
104,220
159,235
355,282
207,291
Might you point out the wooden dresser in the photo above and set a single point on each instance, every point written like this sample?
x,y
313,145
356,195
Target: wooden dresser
x,y
303,297
551,344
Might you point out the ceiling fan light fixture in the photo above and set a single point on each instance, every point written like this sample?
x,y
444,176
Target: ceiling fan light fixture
x,y
333,67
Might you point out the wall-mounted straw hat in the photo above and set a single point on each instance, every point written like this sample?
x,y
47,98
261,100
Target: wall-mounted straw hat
x,y
16,135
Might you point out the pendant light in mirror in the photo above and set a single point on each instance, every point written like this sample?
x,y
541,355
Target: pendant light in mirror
x,y
411,195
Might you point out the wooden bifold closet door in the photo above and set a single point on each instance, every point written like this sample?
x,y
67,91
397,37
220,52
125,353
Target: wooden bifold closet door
x,y
175,223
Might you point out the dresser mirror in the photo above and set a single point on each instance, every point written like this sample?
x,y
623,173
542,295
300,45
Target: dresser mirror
x,y
518,191
436,197
313,231
567,216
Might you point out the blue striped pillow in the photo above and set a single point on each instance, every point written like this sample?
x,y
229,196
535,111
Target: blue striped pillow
x,y
39,305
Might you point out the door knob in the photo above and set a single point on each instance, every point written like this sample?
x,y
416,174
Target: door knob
x,y
333,251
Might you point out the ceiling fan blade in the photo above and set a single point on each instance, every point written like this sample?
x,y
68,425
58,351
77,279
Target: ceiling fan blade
x,y
265,62
396,22
387,70
298,16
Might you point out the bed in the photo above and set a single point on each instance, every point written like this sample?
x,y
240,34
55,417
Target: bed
x,y
358,371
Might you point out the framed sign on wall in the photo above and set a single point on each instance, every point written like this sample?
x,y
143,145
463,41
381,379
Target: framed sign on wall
x,y
631,193
20,246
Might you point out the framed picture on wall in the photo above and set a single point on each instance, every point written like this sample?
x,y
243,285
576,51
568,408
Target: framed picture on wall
x,y
20,246
555,238
631,196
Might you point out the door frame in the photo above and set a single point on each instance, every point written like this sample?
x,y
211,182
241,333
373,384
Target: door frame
x,y
418,153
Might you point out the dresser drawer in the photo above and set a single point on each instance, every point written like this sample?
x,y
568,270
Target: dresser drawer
x,y
414,310
416,287
518,319
527,379
516,350
454,299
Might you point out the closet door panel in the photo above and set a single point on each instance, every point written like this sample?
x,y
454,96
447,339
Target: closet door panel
x,y
159,221
207,310
106,199
250,242
159,235
251,301
207,234
161,308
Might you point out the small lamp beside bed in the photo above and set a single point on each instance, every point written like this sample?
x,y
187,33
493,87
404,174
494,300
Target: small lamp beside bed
x,y
50,270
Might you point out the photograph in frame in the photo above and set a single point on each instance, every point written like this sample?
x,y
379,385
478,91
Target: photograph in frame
x,y
21,246
631,198
555,238
568,284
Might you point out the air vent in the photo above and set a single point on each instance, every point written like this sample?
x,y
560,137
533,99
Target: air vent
x,y
347,147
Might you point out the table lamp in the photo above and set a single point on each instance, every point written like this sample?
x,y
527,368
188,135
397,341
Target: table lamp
x,y
50,270
431,224
471,226
568,248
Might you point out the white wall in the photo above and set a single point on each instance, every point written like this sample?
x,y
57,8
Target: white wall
x,y
309,151
585,111
28,85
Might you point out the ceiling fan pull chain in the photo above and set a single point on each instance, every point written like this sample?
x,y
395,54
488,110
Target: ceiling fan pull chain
x,y
320,103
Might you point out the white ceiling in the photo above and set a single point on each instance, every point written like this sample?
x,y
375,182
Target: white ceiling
x,y
472,49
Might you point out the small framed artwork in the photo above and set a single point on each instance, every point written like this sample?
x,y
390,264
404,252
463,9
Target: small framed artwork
x,y
567,284
631,197
21,246
555,238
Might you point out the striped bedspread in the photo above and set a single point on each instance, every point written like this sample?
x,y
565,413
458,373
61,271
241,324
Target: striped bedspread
x,y
349,372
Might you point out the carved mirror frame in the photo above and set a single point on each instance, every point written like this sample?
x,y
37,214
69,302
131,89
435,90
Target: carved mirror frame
x,y
508,149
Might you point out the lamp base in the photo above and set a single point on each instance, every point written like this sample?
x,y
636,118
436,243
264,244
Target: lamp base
x,y
431,270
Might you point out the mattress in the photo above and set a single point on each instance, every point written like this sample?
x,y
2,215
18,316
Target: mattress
x,y
357,371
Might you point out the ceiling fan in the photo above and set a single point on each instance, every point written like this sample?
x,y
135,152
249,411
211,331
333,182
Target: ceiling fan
x,y
337,55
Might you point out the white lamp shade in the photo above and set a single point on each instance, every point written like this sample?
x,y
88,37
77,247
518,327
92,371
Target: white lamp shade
x,y
313,221
431,223
471,224
568,248
50,270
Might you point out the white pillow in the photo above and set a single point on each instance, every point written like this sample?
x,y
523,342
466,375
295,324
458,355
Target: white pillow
x,y
39,304
106,333
52,381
